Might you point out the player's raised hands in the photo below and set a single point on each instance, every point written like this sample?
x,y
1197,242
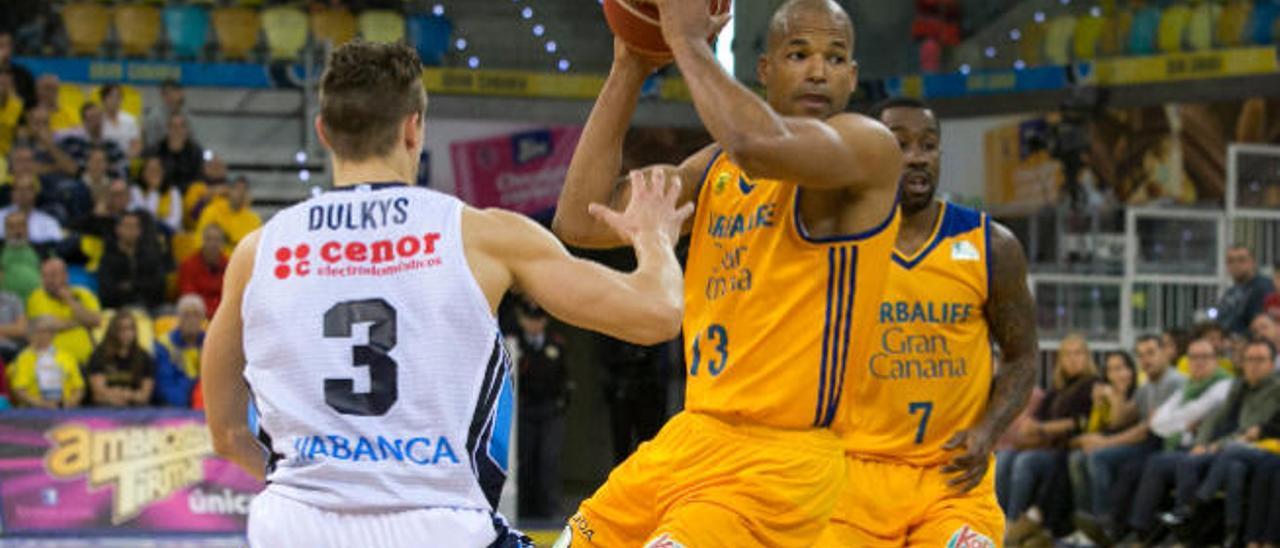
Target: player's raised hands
x,y
651,211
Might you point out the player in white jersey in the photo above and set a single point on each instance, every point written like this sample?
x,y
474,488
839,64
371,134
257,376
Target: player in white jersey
x,y
361,324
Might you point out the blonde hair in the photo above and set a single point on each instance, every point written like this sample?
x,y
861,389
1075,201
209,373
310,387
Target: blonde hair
x,y
1059,373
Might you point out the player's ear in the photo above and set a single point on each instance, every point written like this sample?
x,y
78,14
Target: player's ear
x,y
762,67
324,139
413,134
853,67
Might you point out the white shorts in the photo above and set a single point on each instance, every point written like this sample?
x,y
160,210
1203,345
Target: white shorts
x,y
275,521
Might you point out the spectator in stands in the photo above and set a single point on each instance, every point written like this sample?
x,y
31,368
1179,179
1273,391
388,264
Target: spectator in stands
x,y
1010,443
23,83
13,322
120,127
91,134
1243,300
1043,467
42,228
1262,524
44,375
1254,398
18,258
178,354
1272,303
1114,410
75,309
156,120
1174,422
544,398
634,382
211,186
62,116
1105,453
107,210
182,156
1214,334
153,194
10,111
132,270
201,273
121,373
37,133
1266,328
22,159
234,215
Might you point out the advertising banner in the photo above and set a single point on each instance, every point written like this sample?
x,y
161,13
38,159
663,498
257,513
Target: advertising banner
x,y
108,471
522,172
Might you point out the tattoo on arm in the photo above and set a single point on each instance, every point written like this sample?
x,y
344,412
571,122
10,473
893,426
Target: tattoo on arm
x,y
1011,315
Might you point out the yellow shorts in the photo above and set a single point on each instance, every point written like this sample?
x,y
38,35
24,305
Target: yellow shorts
x,y
703,482
886,504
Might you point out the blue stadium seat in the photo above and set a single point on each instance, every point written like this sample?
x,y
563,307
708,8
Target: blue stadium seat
x,y
1258,29
1142,35
430,35
187,28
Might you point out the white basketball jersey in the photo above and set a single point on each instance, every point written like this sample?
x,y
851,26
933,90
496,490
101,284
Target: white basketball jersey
x,y
375,363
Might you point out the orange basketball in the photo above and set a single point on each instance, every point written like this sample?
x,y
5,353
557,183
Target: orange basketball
x,y
636,23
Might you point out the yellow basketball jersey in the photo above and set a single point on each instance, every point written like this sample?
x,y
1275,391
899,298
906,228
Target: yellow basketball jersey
x,y
775,321
929,372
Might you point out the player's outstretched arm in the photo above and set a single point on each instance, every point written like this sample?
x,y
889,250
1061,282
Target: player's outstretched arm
x,y
593,173
643,307
844,151
226,396
1011,313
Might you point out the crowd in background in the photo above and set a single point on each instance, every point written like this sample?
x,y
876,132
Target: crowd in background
x,y
1180,444
116,231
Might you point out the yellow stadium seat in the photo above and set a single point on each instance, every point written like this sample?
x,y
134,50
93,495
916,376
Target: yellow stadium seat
x,y
86,25
1031,45
1200,26
1089,31
1115,33
1230,28
70,96
1173,25
146,328
382,26
164,324
236,30
336,26
286,29
1058,38
137,27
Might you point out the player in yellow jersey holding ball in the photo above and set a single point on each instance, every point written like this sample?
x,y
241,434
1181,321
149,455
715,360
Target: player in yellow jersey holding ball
x,y
929,403
795,221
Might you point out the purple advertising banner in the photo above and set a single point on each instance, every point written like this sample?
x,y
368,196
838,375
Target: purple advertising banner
x,y
100,471
522,172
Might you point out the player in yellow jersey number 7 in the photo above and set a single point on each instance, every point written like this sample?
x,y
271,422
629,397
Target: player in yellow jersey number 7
x,y
930,401
794,223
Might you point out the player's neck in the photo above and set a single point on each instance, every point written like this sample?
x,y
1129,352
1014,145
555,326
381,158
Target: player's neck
x,y
379,170
920,224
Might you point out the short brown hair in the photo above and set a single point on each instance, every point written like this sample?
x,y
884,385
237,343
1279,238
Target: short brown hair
x,y
366,92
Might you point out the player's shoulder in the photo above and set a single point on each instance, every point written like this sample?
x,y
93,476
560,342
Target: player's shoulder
x,y
958,220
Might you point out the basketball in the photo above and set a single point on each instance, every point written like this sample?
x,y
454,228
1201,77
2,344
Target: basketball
x,y
636,22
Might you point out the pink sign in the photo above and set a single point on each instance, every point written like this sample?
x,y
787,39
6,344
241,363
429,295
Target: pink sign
x,y
522,172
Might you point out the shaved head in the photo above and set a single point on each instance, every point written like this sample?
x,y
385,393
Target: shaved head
x,y
799,13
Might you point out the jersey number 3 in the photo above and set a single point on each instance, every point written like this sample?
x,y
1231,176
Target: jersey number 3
x,y
340,394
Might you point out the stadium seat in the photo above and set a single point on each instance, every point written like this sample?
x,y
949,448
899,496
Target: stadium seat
x,y
286,29
164,324
930,53
1058,38
188,29
1200,27
1115,33
236,30
430,35
1084,45
137,28
1142,34
1172,28
1031,45
1258,30
86,26
381,26
1231,26
335,26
